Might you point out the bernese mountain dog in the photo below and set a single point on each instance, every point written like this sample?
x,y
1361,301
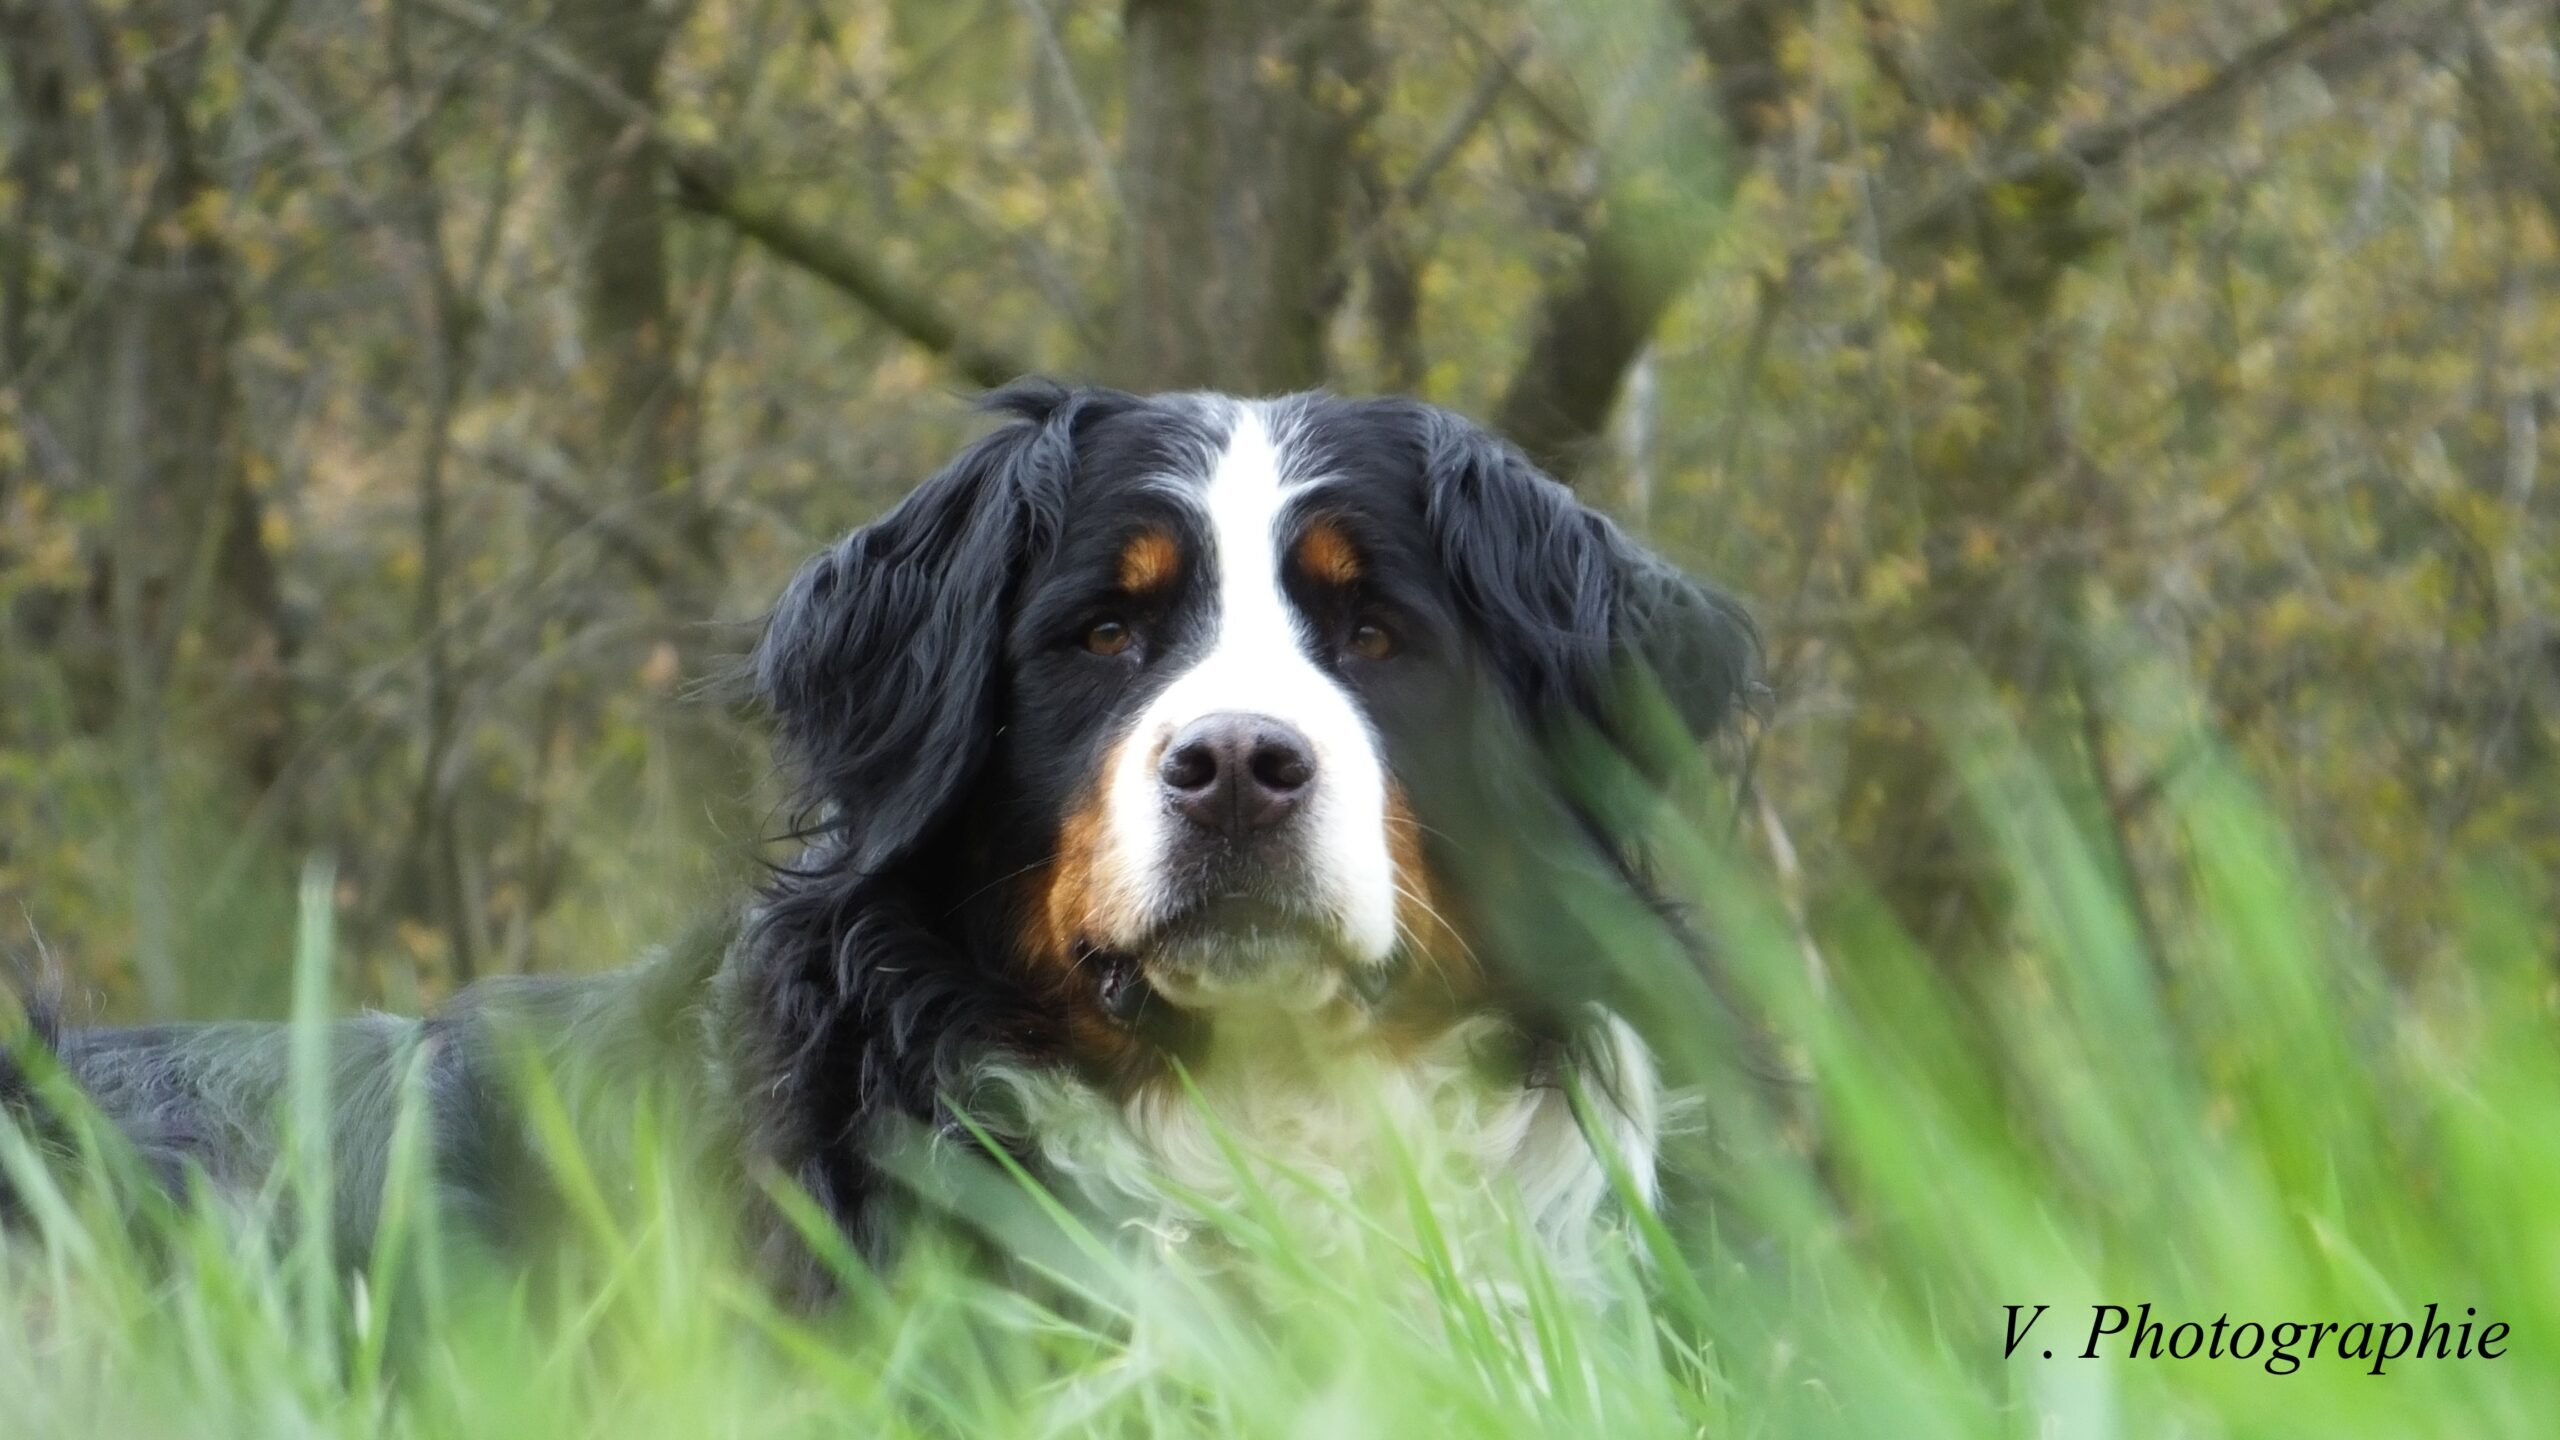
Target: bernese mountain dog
x,y
1180,776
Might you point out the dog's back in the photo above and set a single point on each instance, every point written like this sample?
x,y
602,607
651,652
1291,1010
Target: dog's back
x,y
209,1104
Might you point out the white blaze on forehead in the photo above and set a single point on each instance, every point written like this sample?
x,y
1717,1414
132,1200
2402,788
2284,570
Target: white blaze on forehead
x,y
1257,663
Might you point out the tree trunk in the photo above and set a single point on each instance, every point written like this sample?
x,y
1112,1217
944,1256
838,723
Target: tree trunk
x,y
445,305
130,392
643,438
1236,167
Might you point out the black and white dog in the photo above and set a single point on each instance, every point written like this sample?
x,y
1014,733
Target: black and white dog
x,y
1163,758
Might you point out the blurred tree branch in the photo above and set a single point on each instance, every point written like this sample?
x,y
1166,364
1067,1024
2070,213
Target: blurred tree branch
x,y
2101,146
1599,315
1382,250
709,181
765,214
2523,160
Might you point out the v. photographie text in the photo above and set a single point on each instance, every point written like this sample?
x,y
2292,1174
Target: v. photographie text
x,y
2123,1332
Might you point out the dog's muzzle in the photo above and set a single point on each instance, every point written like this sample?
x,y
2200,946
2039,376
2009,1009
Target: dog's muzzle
x,y
1244,916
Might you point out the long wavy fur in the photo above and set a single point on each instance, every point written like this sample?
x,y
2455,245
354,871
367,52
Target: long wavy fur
x,y
854,1006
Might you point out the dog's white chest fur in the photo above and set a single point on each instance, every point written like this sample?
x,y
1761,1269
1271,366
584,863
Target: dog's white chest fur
x,y
1322,1135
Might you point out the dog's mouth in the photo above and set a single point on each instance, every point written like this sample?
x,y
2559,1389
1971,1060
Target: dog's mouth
x,y
1237,949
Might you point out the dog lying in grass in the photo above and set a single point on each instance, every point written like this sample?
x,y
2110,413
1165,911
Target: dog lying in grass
x,y
1180,781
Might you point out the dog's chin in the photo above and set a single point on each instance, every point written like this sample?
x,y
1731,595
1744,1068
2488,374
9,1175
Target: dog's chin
x,y
1226,955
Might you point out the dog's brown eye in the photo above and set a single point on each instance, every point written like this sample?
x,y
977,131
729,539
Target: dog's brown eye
x,y
1108,637
1372,641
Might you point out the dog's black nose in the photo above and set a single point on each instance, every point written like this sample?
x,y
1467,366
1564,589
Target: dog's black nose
x,y
1237,774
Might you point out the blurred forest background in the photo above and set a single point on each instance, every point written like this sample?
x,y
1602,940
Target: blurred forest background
x,y
406,406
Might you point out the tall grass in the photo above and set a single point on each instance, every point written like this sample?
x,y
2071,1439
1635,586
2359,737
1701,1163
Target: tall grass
x,y
2210,1100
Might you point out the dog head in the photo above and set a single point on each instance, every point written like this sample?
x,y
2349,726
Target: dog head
x,y
1189,691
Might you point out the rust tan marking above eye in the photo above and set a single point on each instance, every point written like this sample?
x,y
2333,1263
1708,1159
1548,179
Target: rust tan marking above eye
x,y
1149,562
1325,553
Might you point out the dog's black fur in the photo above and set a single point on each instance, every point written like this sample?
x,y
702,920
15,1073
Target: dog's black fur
x,y
931,732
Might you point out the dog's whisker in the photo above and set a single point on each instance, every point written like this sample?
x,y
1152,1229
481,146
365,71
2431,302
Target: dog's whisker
x,y
1415,945
957,905
1419,826
1453,932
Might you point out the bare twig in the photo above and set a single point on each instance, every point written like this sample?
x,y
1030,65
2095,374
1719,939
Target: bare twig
x,y
1501,72
555,489
1053,56
447,316
2102,146
709,182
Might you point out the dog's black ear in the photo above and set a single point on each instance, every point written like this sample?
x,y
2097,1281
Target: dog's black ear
x,y
1572,611
880,661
